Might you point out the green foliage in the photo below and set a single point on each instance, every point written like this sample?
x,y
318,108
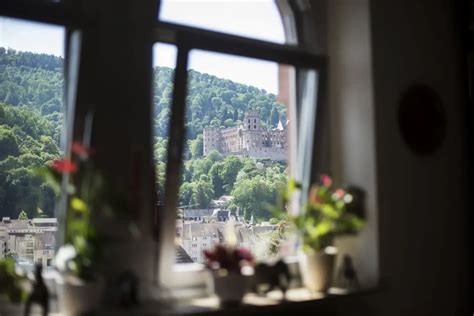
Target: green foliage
x,y
211,101
324,217
10,281
196,147
8,142
28,141
22,215
30,122
31,87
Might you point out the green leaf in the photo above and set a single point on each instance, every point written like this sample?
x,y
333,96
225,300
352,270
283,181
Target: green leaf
x,y
323,228
79,205
329,211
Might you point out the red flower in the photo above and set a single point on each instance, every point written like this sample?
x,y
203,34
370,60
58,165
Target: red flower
x,y
64,166
244,254
80,149
326,180
223,257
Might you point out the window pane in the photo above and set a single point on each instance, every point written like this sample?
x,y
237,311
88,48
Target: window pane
x,y
258,19
31,106
231,169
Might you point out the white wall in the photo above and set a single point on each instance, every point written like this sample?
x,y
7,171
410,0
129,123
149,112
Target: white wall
x,y
416,205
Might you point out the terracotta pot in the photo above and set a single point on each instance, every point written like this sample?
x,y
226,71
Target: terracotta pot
x,y
316,270
76,296
230,288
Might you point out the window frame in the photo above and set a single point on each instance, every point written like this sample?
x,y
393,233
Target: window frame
x,y
185,39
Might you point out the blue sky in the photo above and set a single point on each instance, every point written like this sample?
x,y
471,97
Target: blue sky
x,y
250,18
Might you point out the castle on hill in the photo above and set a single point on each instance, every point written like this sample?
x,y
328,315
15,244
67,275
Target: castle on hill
x,y
249,139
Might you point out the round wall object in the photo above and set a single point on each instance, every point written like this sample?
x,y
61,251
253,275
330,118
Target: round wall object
x,y
422,119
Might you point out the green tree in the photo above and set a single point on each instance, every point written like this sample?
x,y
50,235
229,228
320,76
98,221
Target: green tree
x,y
216,179
229,171
252,196
22,215
196,147
274,117
202,192
8,143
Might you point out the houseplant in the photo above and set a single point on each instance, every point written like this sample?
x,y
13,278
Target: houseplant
x,y
323,217
227,264
79,288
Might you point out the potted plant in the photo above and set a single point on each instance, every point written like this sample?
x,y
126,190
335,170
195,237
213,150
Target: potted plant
x,y
79,287
322,218
228,268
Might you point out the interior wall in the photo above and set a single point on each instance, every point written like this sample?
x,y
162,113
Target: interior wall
x,y
351,111
422,200
416,205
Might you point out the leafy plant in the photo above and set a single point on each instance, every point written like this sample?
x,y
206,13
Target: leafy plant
x,y
10,281
80,252
324,216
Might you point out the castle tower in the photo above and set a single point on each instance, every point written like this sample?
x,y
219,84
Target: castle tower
x,y
252,121
252,136
211,140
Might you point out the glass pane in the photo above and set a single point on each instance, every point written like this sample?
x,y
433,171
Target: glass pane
x,y
31,107
236,150
164,58
258,19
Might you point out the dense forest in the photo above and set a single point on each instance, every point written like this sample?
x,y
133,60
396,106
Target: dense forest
x,y
31,87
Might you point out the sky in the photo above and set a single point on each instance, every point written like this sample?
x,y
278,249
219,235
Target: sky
x,y
257,19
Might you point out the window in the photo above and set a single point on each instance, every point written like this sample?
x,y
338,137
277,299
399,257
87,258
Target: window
x,y
213,101
126,95
31,121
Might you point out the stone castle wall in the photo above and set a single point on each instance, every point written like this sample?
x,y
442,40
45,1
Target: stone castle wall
x,y
247,140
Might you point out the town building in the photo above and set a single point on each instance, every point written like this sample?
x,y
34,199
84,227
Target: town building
x,y
249,139
196,236
28,241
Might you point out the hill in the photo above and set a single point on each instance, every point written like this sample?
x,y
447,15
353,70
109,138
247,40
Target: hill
x,y
31,87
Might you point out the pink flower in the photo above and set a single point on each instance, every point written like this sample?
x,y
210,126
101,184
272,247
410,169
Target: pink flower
x,y
326,180
64,166
339,193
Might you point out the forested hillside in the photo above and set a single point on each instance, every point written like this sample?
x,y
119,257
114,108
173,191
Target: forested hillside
x,y
31,87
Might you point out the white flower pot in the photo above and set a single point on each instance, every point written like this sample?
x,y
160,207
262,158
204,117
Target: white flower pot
x,y
76,296
230,288
316,270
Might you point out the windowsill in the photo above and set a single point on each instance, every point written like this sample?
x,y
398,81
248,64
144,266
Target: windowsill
x,y
271,302
297,299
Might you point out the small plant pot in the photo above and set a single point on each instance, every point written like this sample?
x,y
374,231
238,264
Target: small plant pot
x,y
76,296
316,270
230,288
